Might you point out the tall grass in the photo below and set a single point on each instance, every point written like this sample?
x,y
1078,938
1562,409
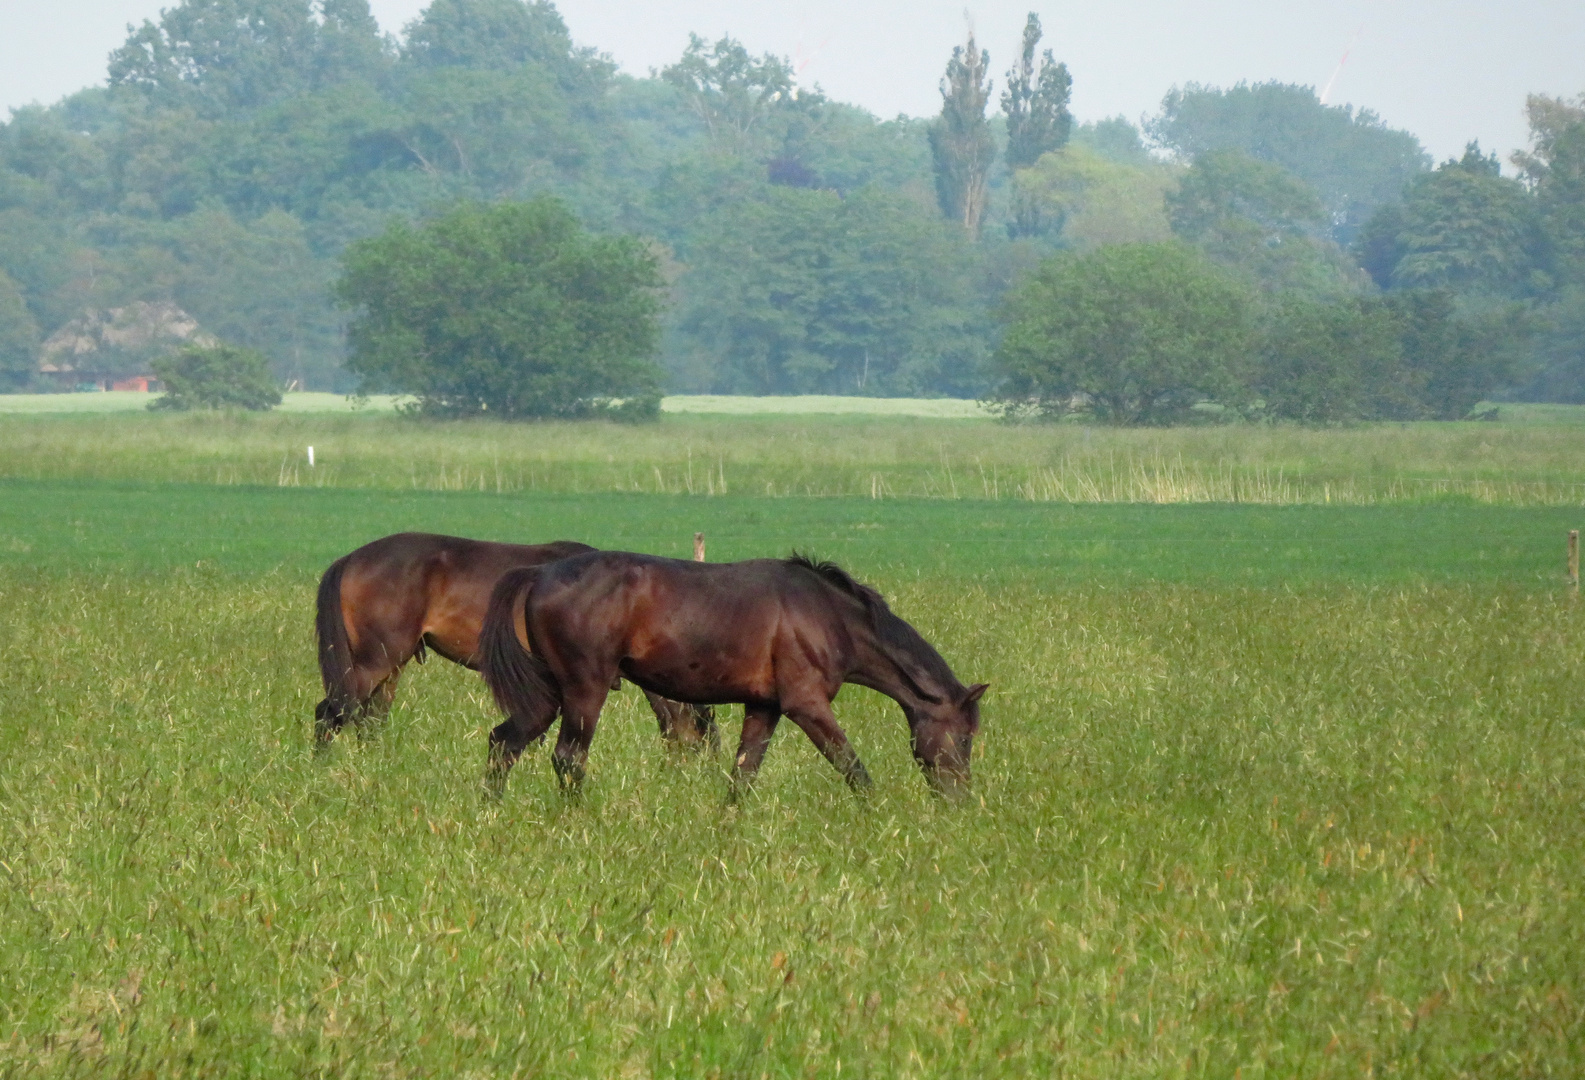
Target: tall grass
x,y
1231,832
1532,464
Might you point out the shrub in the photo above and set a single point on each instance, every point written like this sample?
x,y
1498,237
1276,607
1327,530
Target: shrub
x,y
215,377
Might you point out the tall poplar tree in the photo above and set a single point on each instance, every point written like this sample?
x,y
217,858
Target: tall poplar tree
x,y
960,138
1038,121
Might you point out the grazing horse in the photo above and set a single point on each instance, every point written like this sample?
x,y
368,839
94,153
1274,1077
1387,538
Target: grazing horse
x,y
780,636
390,600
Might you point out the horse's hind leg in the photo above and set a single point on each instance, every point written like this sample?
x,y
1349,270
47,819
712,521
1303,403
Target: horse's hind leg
x,y
371,691
681,724
580,713
508,740
371,717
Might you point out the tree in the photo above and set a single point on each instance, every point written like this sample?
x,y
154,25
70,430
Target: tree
x,y
1555,169
1261,222
490,35
960,139
1405,356
1326,362
1091,200
1464,227
730,91
1352,160
1038,122
511,309
19,336
218,55
1134,333
805,291
215,377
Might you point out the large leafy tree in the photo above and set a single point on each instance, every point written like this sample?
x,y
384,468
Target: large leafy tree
x,y
804,291
1555,169
1464,227
961,145
1133,333
216,55
731,91
1090,200
1352,160
511,309
1259,221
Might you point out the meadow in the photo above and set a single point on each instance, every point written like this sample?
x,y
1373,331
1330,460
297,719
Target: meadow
x,y
1530,460
1264,789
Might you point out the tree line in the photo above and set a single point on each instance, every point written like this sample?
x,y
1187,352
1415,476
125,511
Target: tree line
x,y
269,165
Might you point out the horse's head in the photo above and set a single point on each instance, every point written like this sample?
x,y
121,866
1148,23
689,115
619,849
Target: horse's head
x,y
943,738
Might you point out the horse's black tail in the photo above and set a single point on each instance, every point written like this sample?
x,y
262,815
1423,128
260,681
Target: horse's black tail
x,y
335,651
521,682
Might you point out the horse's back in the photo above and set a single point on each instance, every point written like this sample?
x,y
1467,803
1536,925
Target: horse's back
x,y
695,631
405,587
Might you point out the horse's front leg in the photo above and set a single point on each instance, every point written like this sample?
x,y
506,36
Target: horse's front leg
x,y
580,713
819,723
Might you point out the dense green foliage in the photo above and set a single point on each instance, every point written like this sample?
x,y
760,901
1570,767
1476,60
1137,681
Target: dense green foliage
x,y
802,291
1350,159
1134,333
242,145
511,308
215,377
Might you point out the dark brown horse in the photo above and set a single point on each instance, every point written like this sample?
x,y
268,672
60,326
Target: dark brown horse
x,y
387,602
780,636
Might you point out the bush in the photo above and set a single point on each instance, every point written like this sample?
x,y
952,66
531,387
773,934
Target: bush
x,y
513,310
1135,333
215,377
1406,356
1325,363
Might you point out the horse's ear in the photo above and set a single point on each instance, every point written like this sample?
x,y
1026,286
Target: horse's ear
x,y
975,692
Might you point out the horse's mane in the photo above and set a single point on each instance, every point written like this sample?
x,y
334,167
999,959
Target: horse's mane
x,y
890,630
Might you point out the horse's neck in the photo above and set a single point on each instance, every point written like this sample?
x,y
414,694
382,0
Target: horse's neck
x,y
890,670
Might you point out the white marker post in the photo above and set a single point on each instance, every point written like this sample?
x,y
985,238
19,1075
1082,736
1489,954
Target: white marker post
x,y
310,457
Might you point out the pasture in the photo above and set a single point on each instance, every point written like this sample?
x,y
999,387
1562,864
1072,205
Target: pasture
x,y
1272,789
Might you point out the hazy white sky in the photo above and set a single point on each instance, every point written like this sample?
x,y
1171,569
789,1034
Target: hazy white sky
x,y
1448,70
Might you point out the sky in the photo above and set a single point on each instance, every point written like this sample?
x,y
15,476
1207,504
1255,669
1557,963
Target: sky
x,y
1447,70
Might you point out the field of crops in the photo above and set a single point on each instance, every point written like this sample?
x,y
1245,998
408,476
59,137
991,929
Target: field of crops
x,y
1277,788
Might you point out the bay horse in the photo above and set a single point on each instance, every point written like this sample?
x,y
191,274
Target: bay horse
x,y
393,599
780,636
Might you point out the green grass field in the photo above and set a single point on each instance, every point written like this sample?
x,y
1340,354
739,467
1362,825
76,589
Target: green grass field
x,y
1533,460
1263,791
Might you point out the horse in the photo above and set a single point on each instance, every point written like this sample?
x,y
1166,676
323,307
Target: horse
x,y
779,636
391,600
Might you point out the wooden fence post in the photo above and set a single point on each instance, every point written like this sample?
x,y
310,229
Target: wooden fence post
x,y
698,549
1573,560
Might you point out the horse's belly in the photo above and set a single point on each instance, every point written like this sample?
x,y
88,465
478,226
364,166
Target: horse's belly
x,y
701,682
